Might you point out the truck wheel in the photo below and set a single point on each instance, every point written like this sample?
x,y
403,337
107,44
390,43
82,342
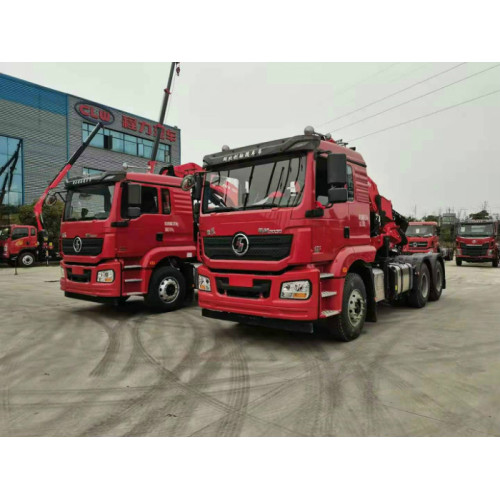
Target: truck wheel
x,y
167,289
348,324
458,261
495,263
437,287
26,259
419,296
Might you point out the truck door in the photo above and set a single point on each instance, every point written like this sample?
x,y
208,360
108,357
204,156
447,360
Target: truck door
x,y
143,232
20,238
359,209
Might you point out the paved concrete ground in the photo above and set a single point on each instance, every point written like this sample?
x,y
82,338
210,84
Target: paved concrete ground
x,y
71,368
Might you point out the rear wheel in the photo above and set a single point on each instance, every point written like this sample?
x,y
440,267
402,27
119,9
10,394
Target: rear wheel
x,y
437,286
458,261
420,295
349,323
167,289
27,259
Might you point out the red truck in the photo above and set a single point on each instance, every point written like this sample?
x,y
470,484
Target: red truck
x,y
422,237
307,244
477,241
24,245
128,233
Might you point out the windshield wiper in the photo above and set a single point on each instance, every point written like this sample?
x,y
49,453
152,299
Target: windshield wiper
x,y
264,205
224,209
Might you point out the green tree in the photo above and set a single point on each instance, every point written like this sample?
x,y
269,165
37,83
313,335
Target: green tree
x,y
51,219
431,218
482,215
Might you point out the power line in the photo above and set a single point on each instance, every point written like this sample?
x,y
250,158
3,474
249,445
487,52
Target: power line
x,y
425,116
394,93
416,98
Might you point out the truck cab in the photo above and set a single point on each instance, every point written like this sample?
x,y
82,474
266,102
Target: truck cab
x,y
477,241
422,237
293,236
128,233
20,244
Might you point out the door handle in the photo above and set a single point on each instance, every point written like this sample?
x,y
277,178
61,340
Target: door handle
x,y
159,236
347,232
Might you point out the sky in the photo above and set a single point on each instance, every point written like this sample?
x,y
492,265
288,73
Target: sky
x,y
449,159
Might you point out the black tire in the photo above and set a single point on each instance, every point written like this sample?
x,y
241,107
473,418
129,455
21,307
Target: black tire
x,y
26,259
167,289
458,261
349,323
437,286
420,295
494,263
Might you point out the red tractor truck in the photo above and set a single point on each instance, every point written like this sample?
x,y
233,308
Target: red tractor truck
x,y
307,244
477,241
422,237
25,245
128,233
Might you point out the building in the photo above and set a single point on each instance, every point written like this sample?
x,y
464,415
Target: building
x,y
40,128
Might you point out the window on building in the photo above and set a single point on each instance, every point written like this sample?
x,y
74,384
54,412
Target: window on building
x,y
165,197
11,170
125,143
91,171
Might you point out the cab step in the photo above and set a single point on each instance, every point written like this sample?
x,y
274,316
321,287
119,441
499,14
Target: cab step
x,y
328,314
324,276
328,294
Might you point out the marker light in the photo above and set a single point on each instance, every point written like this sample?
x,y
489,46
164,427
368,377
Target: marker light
x,y
107,276
298,290
204,283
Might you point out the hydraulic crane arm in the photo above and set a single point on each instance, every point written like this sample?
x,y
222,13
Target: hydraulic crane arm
x,y
60,176
389,222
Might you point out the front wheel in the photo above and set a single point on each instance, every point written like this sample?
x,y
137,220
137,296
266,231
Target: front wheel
x,y
495,262
458,262
420,295
167,289
349,323
27,259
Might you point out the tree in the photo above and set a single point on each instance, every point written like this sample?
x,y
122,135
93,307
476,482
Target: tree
x,y
431,218
482,215
51,219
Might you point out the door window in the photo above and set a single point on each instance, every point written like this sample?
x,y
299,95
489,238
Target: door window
x,y
165,198
149,200
33,231
19,232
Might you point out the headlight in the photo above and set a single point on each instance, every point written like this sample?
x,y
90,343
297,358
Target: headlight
x,y
490,252
299,290
204,283
5,248
107,276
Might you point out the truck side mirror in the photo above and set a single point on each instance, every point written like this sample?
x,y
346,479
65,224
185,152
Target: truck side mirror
x,y
336,170
133,212
337,195
134,192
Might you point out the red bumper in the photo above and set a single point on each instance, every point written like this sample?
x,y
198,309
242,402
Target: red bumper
x,y
82,280
271,305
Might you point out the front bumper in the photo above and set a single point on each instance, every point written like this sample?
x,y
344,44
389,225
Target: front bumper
x,y
80,281
269,305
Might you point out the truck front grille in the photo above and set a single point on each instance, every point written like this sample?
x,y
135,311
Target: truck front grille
x,y
418,244
475,250
271,247
90,246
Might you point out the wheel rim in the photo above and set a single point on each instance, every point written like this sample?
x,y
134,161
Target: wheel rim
x,y
424,285
439,279
168,290
27,260
356,308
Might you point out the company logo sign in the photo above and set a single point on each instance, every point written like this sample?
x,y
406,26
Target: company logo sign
x,y
240,244
77,244
94,113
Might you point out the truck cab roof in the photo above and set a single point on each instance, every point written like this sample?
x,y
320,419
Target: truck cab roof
x,y
298,143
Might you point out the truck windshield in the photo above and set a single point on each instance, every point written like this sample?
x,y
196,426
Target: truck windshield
x,y
4,233
475,230
255,185
89,202
422,231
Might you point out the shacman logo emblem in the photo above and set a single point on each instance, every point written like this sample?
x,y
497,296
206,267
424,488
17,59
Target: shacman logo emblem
x,y
240,244
77,244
